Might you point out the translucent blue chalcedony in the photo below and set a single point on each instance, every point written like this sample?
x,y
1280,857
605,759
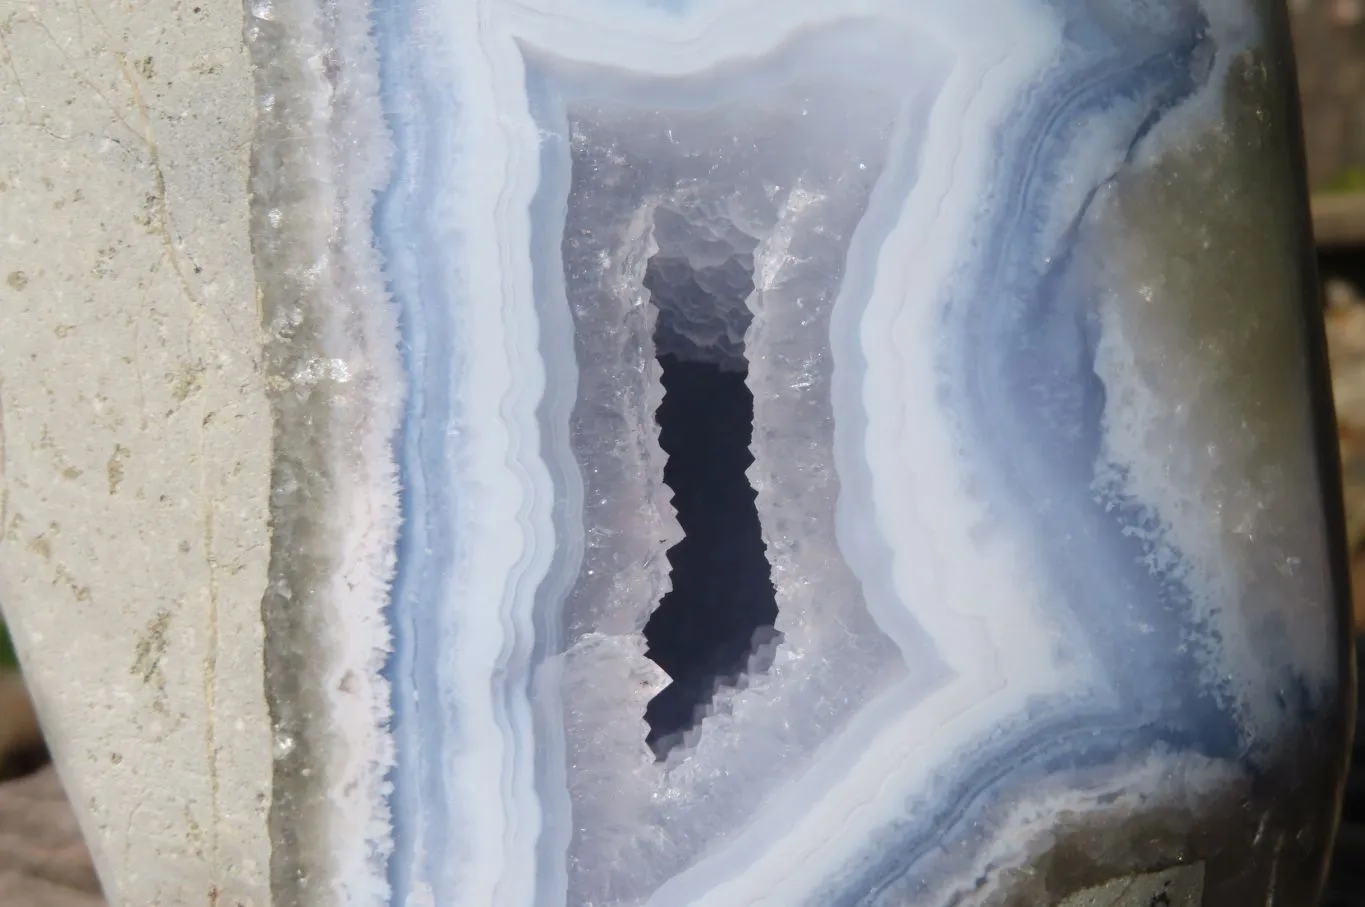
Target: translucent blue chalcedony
x,y
797,453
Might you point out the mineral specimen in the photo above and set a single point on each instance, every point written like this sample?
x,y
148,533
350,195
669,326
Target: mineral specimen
x,y
794,453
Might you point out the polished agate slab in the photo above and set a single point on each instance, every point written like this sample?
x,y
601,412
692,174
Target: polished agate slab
x,y
793,453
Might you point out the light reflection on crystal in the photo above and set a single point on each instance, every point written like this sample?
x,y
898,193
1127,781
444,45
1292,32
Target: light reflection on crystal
x,y
1043,522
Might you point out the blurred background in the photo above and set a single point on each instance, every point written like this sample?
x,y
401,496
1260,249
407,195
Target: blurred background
x,y
44,864
1330,42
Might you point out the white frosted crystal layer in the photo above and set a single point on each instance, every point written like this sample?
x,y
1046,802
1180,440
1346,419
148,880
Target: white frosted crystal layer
x,y
1043,525
336,384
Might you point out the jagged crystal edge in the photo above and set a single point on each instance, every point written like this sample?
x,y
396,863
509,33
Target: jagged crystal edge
x,y
796,217
990,508
335,381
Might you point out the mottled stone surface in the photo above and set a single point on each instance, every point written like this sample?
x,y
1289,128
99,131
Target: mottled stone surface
x,y
134,435
1179,887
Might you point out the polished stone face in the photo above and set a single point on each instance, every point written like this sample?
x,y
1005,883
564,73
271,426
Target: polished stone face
x,y
791,452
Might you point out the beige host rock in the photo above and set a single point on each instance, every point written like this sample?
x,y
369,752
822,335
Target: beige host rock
x,y
135,436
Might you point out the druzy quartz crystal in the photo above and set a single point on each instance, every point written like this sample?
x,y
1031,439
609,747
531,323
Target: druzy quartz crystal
x,y
794,453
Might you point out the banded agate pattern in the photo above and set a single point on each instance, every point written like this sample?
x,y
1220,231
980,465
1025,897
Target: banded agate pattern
x,y
1015,293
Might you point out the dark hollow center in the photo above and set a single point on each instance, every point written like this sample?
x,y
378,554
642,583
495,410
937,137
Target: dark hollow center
x,y
722,605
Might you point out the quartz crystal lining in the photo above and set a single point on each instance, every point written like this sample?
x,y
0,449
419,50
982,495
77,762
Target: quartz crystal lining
x,y
714,626
336,385
1014,288
796,218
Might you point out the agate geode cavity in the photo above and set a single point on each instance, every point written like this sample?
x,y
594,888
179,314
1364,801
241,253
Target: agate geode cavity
x,y
793,453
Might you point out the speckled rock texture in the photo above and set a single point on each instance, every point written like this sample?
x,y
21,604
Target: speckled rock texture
x,y
135,437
